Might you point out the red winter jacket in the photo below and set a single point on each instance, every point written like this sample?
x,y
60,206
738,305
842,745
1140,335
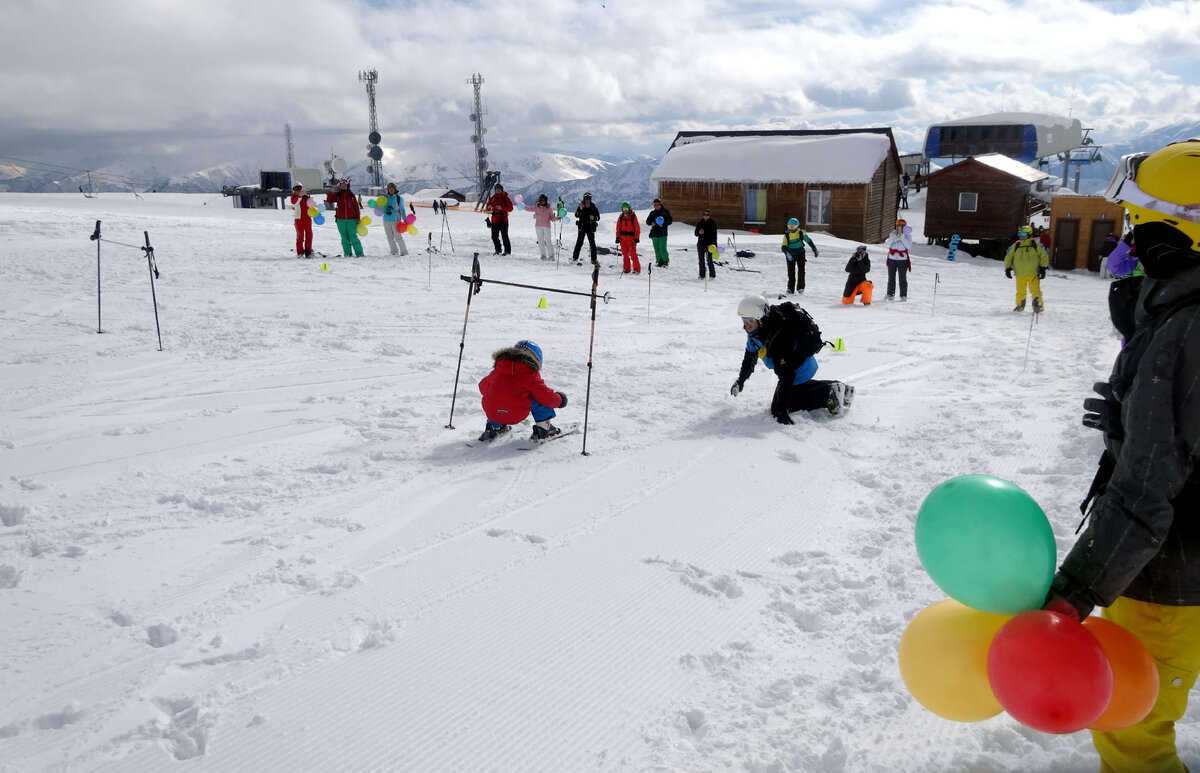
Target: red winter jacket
x,y
514,382
499,205
346,203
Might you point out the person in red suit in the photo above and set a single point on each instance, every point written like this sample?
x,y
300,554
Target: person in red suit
x,y
629,233
301,201
514,389
499,204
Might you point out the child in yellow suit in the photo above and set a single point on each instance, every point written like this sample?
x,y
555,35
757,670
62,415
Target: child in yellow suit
x,y
1029,259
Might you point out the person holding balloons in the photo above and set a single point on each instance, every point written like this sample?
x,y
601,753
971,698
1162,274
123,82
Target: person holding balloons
x,y
658,220
348,214
301,202
899,242
706,243
1139,556
393,220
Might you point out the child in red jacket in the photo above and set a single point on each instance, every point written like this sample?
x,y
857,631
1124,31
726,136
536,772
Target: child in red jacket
x,y
514,389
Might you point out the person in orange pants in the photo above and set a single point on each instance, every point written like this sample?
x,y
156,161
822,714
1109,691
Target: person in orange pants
x,y
629,233
857,283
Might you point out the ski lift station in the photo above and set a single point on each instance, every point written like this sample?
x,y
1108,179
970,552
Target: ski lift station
x,y
1025,137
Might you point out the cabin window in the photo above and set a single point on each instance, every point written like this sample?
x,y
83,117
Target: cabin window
x,y
756,205
968,202
820,206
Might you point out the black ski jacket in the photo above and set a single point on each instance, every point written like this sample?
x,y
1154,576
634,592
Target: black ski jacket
x,y
857,269
1143,535
706,232
587,217
657,230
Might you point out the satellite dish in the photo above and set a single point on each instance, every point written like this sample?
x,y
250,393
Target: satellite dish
x,y
474,138
483,152
339,165
474,117
375,153
374,138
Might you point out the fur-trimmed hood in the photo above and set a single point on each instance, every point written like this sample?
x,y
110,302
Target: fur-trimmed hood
x,y
517,354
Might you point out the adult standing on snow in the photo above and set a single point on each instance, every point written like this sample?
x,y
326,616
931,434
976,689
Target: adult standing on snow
x,y
772,336
543,216
587,217
1139,556
393,216
793,249
629,233
658,220
514,389
1029,259
301,201
348,215
706,243
499,204
899,263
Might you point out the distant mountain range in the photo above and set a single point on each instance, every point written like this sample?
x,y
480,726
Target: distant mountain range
x,y
1093,178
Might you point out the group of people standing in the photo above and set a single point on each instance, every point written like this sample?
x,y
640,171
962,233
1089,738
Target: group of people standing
x,y
348,215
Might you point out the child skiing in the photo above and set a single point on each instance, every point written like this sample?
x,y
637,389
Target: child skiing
x,y
857,283
629,233
793,250
1029,259
514,389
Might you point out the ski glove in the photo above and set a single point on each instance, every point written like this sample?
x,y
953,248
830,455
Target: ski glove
x,y
1100,411
1056,603
815,255
784,418
563,397
1041,272
736,389
1008,273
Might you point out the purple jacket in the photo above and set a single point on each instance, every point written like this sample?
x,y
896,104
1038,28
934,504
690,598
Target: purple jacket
x,y
1121,261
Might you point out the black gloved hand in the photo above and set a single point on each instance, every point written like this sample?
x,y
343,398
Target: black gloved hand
x,y
736,389
1008,273
637,241
562,396
616,241
815,255
1041,272
1101,413
784,418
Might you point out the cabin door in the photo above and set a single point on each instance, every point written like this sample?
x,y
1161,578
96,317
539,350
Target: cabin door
x,y
1066,238
1100,231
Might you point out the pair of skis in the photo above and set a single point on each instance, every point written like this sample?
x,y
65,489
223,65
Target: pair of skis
x,y
528,443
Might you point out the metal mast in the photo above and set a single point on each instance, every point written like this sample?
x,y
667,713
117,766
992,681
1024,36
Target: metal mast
x,y
477,138
374,152
291,149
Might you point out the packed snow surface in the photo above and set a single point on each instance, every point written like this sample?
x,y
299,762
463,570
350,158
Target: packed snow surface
x,y
263,549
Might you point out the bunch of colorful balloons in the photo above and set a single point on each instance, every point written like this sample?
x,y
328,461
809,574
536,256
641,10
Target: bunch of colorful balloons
x,y
317,214
404,225
990,647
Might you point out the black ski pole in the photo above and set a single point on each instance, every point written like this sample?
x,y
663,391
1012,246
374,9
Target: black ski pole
x,y
587,402
473,287
153,266
937,280
429,254
449,233
96,238
649,278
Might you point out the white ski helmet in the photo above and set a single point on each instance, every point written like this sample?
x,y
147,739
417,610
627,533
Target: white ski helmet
x,y
753,307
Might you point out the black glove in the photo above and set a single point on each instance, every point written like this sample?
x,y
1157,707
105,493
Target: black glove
x,y
1008,273
784,418
637,241
1041,272
617,241
562,396
815,255
736,389
1100,411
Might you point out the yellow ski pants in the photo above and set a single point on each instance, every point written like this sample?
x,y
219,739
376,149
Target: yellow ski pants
x,y
1034,286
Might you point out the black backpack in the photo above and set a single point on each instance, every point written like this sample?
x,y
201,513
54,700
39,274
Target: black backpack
x,y
804,328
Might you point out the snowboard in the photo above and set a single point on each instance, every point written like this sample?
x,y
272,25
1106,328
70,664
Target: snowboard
x,y
528,444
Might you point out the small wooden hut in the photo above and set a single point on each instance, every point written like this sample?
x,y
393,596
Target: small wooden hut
x,y
984,197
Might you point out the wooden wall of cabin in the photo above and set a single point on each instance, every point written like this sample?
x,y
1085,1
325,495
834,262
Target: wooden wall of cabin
x,y
1000,208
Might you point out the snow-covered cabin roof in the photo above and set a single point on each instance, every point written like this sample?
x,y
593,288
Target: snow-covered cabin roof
x,y
1012,166
832,158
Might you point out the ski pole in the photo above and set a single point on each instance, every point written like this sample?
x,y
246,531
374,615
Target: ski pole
x,y
429,254
937,280
587,402
649,277
473,287
1032,319
153,266
96,238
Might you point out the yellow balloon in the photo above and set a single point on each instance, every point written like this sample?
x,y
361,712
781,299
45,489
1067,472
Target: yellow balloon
x,y
381,201
943,660
412,230
312,211
362,230
366,220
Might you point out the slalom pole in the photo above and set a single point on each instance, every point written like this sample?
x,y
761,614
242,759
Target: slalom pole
x,y
587,402
153,266
96,238
937,280
473,287
449,233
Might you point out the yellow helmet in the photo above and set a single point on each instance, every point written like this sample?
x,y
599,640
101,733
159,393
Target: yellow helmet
x,y
1162,187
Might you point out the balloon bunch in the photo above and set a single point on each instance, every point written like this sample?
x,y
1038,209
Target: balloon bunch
x,y
317,214
404,225
715,250
990,647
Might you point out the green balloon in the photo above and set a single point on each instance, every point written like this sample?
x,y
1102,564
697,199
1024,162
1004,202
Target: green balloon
x,y
987,544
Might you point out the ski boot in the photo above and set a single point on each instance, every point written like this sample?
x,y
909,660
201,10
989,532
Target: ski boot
x,y
492,431
1020,306
848,397
1037,306
837,398
544,430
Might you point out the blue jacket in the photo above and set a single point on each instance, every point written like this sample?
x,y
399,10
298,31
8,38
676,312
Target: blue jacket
x,y
755,345
395,210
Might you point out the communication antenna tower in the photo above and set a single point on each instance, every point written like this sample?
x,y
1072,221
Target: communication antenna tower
x,y
374,152
291,149
481,163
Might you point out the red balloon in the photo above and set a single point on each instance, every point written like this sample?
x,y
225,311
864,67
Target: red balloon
x,y
1049,672
401,226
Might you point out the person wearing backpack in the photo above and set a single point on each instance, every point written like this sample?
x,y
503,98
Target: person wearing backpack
x,y
793,249
1030,260
1139,555
787,339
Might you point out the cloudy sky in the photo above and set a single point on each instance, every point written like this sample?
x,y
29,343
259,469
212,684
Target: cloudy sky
x,y
190,84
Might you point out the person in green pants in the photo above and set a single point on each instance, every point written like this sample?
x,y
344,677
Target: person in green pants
x,y
348,214
658,220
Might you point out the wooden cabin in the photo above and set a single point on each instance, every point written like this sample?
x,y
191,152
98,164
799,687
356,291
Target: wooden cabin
x,y
985,198
845,182
1078,227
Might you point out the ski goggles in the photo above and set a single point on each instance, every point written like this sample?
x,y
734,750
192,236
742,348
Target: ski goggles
x,y
749,320
1123,189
